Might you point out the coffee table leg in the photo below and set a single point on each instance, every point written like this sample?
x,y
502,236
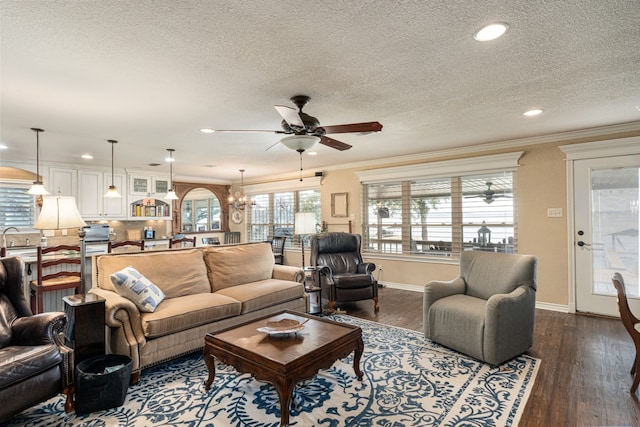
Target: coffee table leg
x,y
356,358
211,367
284,388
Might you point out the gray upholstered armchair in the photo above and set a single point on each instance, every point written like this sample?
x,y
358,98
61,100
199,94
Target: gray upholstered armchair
x,y
34,364
488,311
344,276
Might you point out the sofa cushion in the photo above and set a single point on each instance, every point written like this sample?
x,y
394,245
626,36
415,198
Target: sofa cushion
x,y
263,293
186,312
238,264
132,285
176,273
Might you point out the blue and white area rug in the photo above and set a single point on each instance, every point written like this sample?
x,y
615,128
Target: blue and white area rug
x,y
408,381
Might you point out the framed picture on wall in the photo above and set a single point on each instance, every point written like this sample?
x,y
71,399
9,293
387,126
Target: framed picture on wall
x,y
339,205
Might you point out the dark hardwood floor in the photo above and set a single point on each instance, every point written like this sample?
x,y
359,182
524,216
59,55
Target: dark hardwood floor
x,y
583,379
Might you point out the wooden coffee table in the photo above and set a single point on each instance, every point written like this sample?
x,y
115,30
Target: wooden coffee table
x,y
284,360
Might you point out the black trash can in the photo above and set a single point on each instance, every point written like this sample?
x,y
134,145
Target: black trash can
x,y
102,382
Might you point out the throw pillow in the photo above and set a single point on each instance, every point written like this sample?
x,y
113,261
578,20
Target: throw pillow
x,y
132,285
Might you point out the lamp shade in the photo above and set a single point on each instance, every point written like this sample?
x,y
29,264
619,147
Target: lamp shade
x,y
37,189
59,212
305,223
112,192
300,142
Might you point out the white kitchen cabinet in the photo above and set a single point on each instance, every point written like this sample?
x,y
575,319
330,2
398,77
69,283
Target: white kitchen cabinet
x,y
63,181
148,185
92,185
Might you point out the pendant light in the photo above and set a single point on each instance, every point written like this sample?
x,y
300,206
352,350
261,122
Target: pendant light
x,y
171,194
38,187
112,191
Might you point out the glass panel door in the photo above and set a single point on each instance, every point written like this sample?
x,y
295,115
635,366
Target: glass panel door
x,y
606,234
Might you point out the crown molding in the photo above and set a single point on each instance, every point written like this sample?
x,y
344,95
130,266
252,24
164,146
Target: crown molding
x,y
600,131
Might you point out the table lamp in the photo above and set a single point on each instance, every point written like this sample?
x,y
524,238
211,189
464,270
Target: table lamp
x,y
305,224
60,212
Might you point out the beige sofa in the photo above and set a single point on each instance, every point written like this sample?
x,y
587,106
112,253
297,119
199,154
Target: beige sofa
x,y
207,289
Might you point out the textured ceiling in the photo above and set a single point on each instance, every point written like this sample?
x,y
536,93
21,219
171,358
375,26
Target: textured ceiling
x,y
150,74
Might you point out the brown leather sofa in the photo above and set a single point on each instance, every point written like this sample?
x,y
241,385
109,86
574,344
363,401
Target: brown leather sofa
x,y
344,276
34,364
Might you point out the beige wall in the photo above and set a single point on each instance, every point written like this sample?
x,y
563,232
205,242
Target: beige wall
x,y
540,183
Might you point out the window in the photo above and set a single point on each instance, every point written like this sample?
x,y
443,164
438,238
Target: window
x,y
439,217
200,211
273,214
408,213
17,208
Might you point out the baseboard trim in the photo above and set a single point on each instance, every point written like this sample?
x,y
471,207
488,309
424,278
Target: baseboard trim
x,y
420,288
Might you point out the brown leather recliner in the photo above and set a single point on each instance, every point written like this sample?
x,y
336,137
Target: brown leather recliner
x,y
344,277
34,364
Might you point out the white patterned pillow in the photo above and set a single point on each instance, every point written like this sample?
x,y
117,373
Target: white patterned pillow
x,y
132,285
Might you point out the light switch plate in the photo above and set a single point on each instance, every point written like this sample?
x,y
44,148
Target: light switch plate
x,y
554,212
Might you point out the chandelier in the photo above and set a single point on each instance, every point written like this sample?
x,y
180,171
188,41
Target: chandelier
x,y
238,199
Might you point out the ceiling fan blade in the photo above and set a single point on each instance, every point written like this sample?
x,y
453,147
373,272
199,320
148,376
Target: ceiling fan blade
x,y
271,146
334,143
246,131
290,115
354,127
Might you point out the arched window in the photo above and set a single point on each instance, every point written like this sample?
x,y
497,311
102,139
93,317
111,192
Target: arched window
x,y
200,208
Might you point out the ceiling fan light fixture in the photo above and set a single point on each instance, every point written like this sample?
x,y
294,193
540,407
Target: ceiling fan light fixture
x,y
300,143
491,32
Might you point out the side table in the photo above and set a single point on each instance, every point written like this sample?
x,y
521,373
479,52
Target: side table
x,y
85,329
312,287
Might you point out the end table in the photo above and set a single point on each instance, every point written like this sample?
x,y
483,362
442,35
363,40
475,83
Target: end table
x,y
85,329
312,287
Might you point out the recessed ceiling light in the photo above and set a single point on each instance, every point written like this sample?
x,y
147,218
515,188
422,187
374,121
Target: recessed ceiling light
x,y
207,130
531,113
312,153
3,147
87,156
491,32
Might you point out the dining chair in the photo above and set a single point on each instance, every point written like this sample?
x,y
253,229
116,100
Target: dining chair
x,y
631,324
127,243
231,237
183,243
59,267
277,246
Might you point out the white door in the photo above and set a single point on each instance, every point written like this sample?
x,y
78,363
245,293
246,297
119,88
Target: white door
x,y
605,240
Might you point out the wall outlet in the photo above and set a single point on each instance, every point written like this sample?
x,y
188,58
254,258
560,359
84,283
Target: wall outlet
x,y
64,231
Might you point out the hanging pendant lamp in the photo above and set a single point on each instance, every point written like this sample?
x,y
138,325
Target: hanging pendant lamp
x,y
38,187
171,194
112,191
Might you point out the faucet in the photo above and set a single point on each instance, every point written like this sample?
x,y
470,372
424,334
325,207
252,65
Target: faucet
x,y
4,237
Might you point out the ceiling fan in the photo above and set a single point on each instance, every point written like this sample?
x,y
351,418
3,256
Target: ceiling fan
x,y
297,123
488,195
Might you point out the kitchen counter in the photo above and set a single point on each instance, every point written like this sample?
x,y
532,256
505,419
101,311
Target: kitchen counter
x,y
29,254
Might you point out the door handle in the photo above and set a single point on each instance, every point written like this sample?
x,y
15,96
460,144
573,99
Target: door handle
x,y
581,243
